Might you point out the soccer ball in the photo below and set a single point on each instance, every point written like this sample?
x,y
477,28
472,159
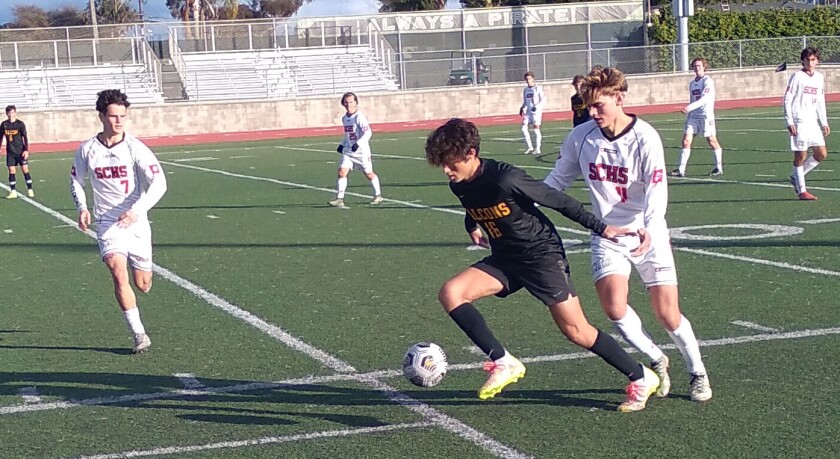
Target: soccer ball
x,y
424,364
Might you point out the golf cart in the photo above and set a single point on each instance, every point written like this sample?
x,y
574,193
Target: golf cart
x,y
466,68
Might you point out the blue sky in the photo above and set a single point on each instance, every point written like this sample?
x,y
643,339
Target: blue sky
x,y
156,9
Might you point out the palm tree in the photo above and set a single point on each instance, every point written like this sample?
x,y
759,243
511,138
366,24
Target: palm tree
x,y
411,5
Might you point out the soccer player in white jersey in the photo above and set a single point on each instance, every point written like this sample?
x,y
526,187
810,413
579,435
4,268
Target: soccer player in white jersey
x,y
355,150
533,102
700,119
127,181
806,120
623,162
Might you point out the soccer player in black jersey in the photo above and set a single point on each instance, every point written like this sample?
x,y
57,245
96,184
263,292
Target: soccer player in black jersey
x,y
527,252
17,150
580,113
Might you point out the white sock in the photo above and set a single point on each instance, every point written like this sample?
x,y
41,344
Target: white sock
x,y
684,338
799,179
132,318
374,182
810,164
631,329
505,359
527,136
342,188
719,159
685,153
538,138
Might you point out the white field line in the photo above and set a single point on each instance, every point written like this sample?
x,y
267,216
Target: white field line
x,y
29,395
448,423
754,326
259,441
819,221
759,261
381,374
741,182
189,381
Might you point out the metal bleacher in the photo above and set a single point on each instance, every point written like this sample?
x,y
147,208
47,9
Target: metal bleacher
x,y
77,86
236,75
283,73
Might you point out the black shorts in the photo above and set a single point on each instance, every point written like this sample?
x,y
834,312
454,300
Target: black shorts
x,y
15,159
547,277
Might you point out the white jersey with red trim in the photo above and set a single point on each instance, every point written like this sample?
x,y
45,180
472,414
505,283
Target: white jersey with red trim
x,y
356,130
533,97
805,99
125,176
701,98
625,174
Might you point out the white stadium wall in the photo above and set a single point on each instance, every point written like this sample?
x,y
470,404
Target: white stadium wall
x,y
183,119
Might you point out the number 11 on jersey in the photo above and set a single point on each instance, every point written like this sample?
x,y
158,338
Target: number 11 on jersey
x,y
622,193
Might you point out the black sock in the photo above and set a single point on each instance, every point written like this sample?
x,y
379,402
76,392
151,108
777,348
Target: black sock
x,y
608,349
12,182
28,179
472,322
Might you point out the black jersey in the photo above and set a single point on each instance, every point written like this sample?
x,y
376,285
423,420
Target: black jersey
x,y
580,112
501,199
15,134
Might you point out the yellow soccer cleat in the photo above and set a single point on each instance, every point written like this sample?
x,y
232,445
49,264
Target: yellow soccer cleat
x,y
501,375
660,367
30,193
12,195
638,392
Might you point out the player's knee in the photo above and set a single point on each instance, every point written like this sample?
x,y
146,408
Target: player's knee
x,y
820,155
450,296
143,285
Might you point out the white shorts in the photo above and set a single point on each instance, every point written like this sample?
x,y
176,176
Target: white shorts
x,y
700,127
134,242
363,162
530,117
807,135
655,267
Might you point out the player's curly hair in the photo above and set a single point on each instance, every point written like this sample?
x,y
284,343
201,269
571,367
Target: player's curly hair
x,y
808,52
451,143
602,82
109,97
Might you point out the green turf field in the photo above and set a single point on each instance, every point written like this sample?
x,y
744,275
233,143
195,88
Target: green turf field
x,y
279,323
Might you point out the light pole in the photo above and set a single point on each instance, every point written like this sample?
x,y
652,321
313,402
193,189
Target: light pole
x,y
93,20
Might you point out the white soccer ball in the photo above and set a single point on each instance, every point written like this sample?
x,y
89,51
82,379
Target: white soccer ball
x,y
424,364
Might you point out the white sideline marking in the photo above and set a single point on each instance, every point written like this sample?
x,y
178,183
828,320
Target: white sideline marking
x,y
201,158
189,381
449,424
764,175
379,374
741,182
777,264
280,212
817,222
243,156
29,395
259,441
8,231
754,326
212,217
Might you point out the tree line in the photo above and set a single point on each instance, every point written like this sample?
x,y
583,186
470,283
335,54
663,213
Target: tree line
x,y
128,11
